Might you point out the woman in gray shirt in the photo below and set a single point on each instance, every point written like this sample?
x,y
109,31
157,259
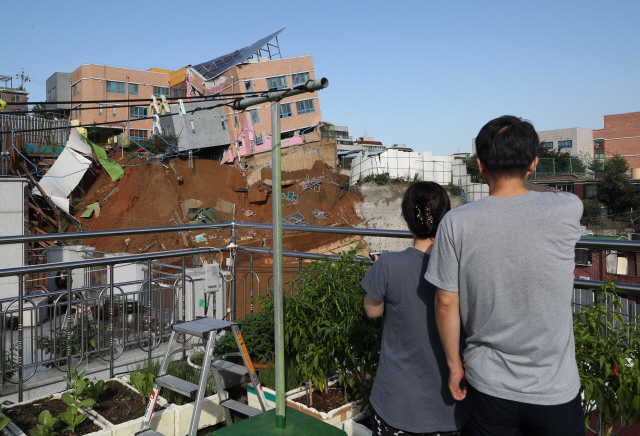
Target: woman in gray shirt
x,y
410,393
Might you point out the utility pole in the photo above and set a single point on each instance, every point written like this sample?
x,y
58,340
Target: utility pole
x,y
276,190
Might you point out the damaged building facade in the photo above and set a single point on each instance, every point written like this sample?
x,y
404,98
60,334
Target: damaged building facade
x,y
257,68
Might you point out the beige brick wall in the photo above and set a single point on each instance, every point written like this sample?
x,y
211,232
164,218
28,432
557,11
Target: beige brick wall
x,y
91,82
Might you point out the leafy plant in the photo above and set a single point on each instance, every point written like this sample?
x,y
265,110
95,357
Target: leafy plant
x,y
77,384
292,378
4,421
94,390
47,423
453,189
72,417
143,382
258,334
608,357
180,370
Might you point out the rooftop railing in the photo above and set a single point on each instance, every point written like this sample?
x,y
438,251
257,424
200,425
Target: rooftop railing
x,y
108,324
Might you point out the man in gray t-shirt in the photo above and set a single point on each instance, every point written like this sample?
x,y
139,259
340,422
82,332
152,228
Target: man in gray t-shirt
x,y
503,267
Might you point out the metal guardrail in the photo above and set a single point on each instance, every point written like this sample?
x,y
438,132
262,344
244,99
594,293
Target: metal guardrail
x,y
54,334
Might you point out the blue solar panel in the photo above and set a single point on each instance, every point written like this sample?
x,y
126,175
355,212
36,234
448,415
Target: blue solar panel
x,y
212,69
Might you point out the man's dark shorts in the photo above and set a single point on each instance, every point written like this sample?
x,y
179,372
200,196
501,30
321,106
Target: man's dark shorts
x,y
491,416
380,428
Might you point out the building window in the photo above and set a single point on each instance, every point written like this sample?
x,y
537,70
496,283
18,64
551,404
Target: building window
x,y
77,112
114,111
298,79
259,140
617,263
160,90
193,127
133,89
15,98
51,95
583,256
591,190
305,106
138,135
248,85
235,120
598,149
565,188
116,87
285,110
255,119
224,124
100,106
276,83
565,144
74,89
179,90
138,112
548,145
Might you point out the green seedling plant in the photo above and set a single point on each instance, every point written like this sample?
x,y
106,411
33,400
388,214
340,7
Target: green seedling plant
x,y
46,426
72,417
94,390
143,382
4,421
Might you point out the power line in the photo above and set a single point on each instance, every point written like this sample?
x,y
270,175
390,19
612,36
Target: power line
x,y
210,96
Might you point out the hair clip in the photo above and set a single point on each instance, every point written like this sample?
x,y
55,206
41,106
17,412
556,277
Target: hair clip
x,y
426,214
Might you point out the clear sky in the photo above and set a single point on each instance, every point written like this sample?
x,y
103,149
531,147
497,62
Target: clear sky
x,y
427,74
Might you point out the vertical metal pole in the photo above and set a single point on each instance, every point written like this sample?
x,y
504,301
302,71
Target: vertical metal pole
x,y
184,310
251,282
20,337
111,367
69,323
149,271
233,291
277,263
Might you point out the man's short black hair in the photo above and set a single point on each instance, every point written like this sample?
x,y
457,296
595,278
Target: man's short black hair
x,y
507,146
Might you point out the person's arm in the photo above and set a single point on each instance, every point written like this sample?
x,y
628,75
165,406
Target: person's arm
x,y
447,308
373,307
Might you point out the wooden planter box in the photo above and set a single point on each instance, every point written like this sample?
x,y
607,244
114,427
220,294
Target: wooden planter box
x,y
334,417
13,430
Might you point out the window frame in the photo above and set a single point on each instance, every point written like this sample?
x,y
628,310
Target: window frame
x,y
592,187
113,87
134,86
307,105
585,258
562,145
15,98
273,83
100,111
134,112
283,113
255,116
114,110
161,88
295,78
248,85
134,135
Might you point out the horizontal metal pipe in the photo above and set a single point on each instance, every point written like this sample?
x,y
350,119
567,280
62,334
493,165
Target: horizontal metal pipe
x,y
105,261
608,244
20,239
309,86
623,288
296,254
330,230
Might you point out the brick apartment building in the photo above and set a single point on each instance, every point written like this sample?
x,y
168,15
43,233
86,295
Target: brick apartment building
x,y
91,82
257,68
15,95
620,135
604,265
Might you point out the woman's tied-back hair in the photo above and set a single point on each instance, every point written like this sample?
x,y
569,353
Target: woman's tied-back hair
x,y
423,206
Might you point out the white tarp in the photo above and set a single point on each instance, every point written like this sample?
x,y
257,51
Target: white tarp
x,y
63,176
77,143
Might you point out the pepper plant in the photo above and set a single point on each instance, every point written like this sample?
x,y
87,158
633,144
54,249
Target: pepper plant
x,y
608,358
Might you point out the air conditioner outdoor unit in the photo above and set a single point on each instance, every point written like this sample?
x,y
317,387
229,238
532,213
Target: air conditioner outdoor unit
x,y
633,236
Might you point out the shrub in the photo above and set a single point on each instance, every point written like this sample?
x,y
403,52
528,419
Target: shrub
x,y
453,189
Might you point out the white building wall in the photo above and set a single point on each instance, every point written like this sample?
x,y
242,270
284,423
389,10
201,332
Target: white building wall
x,y
582,140
13,216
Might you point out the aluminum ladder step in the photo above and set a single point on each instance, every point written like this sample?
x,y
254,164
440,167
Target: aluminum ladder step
x,y
230,367
241,408
202,327
148,433
177,385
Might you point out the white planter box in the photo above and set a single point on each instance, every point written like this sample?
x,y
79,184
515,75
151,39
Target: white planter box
x,y
162,421
352,428
13,430
212,413
334,417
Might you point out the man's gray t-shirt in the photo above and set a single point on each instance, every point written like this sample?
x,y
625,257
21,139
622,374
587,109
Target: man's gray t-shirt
x,y
410,391
512,261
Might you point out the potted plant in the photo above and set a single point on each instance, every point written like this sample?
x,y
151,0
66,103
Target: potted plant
x,y
608,357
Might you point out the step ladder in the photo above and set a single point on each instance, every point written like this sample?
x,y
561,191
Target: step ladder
x,y
207,329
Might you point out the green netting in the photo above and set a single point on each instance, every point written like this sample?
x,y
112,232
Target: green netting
x,y
566,166
110,165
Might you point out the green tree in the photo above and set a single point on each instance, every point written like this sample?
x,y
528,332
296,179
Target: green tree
x,y
616,190
473,169
616,164
590,212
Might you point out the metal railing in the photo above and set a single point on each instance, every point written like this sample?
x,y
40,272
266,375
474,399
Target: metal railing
x,y
104,319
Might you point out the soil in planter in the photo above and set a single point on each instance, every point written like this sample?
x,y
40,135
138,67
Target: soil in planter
x,y
327,400
26,417
115,401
